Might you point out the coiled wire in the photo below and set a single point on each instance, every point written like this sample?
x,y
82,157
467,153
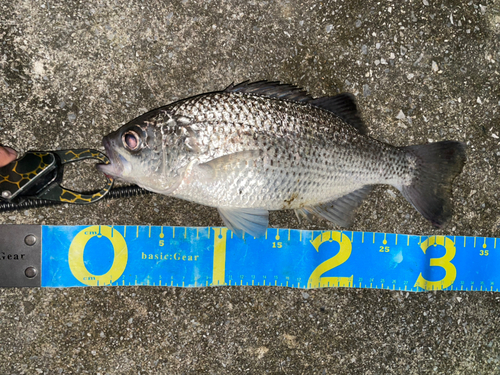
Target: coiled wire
x,y
118,192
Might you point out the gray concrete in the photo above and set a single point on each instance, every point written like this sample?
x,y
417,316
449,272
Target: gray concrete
x,y
422,71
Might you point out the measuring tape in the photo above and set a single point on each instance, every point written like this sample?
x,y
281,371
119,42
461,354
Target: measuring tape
x,y
77,256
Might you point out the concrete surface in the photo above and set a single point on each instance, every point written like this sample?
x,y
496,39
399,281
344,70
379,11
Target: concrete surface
x,y
423,70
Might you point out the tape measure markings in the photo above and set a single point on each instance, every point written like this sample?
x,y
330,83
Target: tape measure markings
x,y
299,259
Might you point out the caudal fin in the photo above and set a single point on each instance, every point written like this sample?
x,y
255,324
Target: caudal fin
x,y
437,164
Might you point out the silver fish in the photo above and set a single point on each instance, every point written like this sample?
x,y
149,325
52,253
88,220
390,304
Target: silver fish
x,y
263,146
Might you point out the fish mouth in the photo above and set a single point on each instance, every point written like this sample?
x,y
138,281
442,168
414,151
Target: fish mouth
x,y
114,168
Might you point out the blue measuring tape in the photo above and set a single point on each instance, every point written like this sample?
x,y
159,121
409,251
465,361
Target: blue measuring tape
x,y
76,256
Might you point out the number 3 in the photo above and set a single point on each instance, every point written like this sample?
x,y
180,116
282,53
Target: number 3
x,y
444,262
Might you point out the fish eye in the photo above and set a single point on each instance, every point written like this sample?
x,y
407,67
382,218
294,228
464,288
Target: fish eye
x,y
131,140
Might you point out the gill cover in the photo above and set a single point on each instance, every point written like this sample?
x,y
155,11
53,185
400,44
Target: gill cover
x,y
155,151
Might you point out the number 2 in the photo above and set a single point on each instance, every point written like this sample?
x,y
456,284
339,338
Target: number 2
x,y
316,280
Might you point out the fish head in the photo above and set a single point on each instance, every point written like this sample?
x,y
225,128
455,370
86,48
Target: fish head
x,y
134,152
153,151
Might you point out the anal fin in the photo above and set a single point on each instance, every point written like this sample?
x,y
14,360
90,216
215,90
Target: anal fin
x,y
341,211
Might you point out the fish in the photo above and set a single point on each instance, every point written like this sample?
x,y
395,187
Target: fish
x,y
262,146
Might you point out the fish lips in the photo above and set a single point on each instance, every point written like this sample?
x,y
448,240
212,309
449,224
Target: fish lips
x,y
115,167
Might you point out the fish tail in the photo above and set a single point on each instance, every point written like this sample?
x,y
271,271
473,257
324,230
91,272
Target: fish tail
x,y
436,167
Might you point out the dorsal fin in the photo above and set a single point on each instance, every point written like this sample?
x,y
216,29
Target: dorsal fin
x,y
271,90
342,105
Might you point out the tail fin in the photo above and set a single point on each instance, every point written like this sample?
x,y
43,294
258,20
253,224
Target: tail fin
x,y
437,164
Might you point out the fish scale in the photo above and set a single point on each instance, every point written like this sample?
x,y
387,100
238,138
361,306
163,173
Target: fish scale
x,y
263,146
318,159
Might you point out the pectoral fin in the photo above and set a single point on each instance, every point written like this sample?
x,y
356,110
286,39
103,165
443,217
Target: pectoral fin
x,y
253,221
222,167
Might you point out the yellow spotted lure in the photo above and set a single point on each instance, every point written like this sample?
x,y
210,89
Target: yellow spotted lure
x,y
37,175
72,256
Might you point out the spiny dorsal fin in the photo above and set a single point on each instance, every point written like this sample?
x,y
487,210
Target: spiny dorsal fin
x,y
271,90
342,105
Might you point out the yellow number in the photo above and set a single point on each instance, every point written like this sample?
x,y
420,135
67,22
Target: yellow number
x,y
162,242
219,270
279,245
315,280
444,262
384,249
484,253
77,247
